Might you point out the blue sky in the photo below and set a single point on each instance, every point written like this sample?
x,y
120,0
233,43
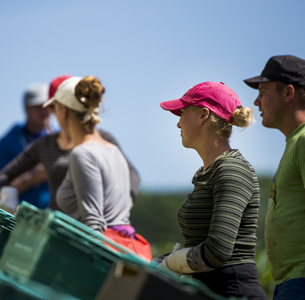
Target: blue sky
x,y
146,52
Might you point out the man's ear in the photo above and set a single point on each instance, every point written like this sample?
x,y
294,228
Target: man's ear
x,y
204,115
289,92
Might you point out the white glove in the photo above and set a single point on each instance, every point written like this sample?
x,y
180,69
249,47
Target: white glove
x,y
177,260
9,199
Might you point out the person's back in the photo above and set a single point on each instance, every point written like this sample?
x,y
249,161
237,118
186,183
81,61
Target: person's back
x,y
32,186
98,177
281,100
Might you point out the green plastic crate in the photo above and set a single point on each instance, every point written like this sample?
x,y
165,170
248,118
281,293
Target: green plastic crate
x,y
7,224
129,282
11,289
51,248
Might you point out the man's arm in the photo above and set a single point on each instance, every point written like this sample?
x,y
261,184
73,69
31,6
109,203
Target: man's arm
x,y
30,179
24,171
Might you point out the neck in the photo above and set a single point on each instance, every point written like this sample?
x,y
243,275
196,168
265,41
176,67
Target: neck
x,y
34,128
216,147
64,140
291,123
79,135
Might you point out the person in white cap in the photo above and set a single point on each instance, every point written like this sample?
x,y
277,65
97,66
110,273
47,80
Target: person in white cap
x,y
32,186
96,189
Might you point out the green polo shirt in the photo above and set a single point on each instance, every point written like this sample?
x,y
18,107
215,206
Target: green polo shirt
x,y
285,222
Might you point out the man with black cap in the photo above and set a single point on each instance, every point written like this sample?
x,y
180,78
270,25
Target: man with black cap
x,y
32,186
281,101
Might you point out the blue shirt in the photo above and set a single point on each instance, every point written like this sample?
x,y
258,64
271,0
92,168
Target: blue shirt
x,y
11,145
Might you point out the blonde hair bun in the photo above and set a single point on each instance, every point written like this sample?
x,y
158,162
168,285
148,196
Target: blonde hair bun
x,y
243,117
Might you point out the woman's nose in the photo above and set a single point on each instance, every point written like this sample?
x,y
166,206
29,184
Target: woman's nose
x,y
178,125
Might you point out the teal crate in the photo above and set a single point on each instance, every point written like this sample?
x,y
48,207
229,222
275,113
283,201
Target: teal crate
x,y
129,282
51,248
7,224
11,289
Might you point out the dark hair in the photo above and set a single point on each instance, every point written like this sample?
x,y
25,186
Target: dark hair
x,y
89,92
299,89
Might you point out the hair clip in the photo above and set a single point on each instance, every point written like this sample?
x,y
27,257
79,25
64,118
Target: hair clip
x,y
83,100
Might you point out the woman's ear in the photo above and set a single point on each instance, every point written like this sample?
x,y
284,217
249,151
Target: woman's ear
x,y
65,112
204,115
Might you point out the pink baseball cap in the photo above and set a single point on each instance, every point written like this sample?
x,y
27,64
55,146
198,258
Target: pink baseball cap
x,y
215,96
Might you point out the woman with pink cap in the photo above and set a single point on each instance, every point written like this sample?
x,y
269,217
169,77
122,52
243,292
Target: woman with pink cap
x,y
219,218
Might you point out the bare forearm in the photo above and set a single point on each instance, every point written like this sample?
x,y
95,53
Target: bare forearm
x,y
30,179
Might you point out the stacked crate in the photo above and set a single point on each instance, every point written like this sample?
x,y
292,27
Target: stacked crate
x,y
11,289
7,224
51,248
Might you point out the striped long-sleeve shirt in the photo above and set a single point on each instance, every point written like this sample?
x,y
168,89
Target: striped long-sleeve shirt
x,y
221,212
45,150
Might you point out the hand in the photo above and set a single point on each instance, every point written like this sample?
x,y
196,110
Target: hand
x,y
185,260
177,262
9,199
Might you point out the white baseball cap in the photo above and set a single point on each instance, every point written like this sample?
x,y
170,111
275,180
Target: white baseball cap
x,y
65,95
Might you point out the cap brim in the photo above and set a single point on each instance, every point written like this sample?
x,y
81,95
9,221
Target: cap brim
x,y
49,102
174,106
35,102
255,81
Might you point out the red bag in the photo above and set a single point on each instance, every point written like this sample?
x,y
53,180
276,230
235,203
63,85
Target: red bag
x,y
139,245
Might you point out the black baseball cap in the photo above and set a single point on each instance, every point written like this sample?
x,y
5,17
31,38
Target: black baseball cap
x,y
284,68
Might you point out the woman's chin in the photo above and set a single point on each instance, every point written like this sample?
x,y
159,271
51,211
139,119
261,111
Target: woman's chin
x,y
185,144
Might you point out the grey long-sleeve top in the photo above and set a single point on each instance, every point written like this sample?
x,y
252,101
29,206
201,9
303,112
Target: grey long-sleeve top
x,y
46,151
96,188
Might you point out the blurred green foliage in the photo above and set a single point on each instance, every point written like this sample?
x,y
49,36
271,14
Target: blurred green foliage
x,y
154,216
264,273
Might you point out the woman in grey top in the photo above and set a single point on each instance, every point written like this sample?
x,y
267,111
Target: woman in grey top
x,y
96,188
